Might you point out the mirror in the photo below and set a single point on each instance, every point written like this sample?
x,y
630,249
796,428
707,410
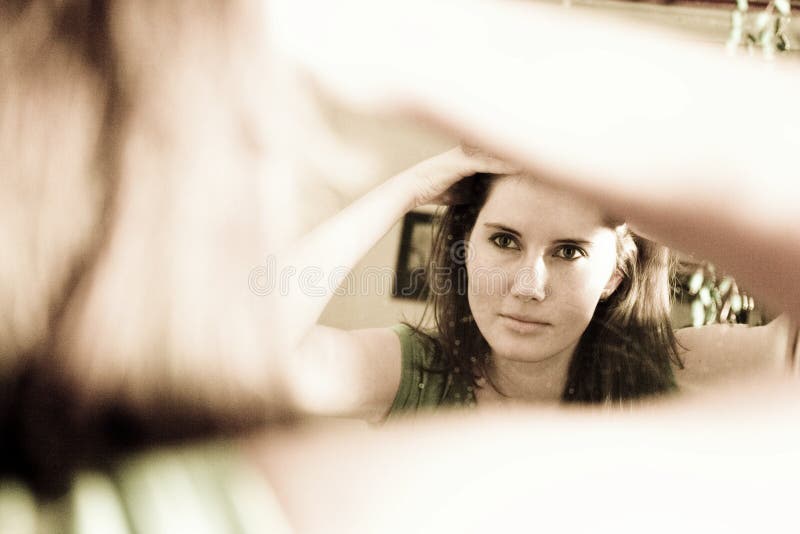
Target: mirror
x,y
704,293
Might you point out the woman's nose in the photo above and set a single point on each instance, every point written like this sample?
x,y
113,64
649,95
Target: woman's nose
x,y
530,281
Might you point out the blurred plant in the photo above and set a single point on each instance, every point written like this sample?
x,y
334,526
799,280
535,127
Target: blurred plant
x,y
765,30
713,298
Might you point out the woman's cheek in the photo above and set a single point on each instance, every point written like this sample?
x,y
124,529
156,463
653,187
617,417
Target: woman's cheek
x,y
590,278
579,295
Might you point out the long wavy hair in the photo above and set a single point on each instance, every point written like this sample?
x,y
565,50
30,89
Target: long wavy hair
x,y
628,348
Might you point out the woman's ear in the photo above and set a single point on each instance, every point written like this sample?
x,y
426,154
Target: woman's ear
x,y
612,285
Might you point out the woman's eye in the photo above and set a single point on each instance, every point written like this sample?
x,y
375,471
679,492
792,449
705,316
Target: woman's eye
x,y
505,241
569,252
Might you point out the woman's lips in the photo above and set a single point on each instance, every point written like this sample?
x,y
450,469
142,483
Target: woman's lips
x,y
522,324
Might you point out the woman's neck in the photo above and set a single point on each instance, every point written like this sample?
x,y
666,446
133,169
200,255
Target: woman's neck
x,y
530,382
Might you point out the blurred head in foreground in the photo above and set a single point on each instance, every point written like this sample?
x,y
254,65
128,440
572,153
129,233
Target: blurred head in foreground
x,y
132,144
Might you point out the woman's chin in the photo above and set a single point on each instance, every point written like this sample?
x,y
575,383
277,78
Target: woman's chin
x,y
513,351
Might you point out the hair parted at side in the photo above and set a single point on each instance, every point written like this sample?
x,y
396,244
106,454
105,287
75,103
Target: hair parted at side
x,y
626,352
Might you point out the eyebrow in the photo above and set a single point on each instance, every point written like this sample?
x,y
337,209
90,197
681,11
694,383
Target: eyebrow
x,y
503,228
569,240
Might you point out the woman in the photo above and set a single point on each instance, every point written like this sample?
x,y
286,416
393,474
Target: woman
x,y
638,143
537,296
548,300
134,335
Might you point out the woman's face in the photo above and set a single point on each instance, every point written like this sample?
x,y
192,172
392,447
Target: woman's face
x,y
539,261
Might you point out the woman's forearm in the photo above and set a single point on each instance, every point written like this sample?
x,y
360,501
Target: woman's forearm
x,y
312,270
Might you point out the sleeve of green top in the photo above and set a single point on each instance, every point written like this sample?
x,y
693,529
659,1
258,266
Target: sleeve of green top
x,y
410,370
419,388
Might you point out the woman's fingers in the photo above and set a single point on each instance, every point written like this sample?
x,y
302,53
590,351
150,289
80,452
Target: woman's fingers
x,y
436,177
485,162
470,161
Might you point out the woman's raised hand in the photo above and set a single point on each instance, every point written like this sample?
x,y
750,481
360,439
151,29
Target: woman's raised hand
x,y
432,179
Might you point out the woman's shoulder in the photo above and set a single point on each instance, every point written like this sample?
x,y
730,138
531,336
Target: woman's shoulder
x,y
419,346
726,353
424,382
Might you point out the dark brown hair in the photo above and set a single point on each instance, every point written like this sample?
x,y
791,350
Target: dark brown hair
x,y
624,353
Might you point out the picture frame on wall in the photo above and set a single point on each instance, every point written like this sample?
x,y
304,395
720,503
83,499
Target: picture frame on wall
x,y
413,257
